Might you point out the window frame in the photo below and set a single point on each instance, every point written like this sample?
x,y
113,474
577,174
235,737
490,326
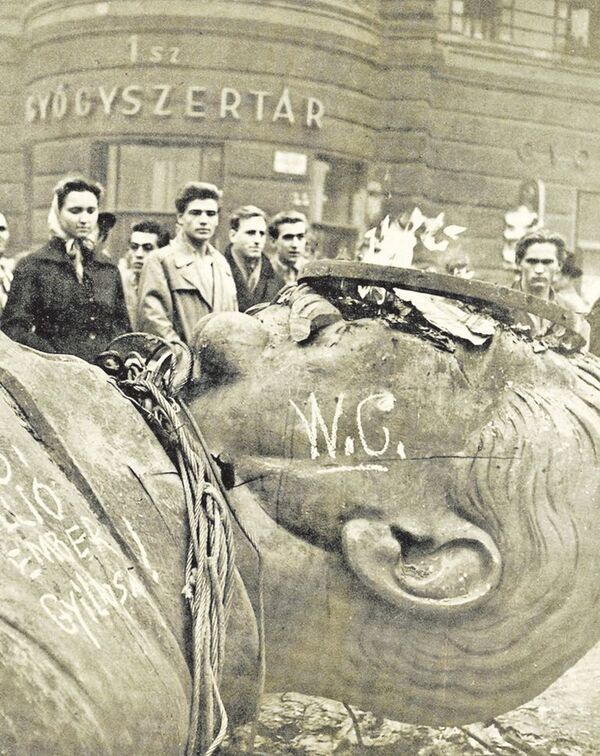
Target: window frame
x,y
111,152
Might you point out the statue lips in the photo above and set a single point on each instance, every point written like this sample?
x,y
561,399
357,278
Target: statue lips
x,y
446,498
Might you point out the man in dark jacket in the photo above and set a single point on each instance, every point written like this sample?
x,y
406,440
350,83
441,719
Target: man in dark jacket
x,y
255,279
67,298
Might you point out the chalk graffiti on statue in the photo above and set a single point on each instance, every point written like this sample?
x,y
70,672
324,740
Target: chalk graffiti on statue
x,y
369,440
40,532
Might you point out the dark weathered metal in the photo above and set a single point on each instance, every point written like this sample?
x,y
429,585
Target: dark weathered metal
x,y
500,298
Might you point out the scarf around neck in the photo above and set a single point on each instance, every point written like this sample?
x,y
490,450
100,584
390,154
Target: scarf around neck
x,y
79,251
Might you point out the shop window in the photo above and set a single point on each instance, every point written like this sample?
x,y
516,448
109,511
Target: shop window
x,y
145,177
578,27
338,205
480,19
142,181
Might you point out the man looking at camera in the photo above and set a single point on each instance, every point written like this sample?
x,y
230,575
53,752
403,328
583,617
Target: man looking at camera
x,y
255,279
145,236
288,234
189,278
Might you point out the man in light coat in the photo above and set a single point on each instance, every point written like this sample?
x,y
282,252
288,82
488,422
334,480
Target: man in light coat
x,y
189,278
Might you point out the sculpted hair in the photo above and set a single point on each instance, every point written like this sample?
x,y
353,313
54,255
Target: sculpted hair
x,y
511,463
285,216
246,211
541,236
152,227
196,190
76,185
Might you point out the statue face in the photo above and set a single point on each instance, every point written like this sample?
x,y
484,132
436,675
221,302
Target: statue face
x,y
427,517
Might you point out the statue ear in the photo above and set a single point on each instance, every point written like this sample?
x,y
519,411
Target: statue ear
x,y
228,345
450,564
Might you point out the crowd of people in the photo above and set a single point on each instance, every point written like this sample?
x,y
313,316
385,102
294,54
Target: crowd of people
x,y
68,297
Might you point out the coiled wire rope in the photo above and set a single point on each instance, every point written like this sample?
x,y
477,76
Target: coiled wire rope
x,y
210,563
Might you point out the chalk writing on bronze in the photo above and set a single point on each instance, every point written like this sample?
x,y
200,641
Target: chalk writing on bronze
x,y
43,532
374,439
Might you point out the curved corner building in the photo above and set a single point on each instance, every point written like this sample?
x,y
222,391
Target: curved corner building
x,y
339,108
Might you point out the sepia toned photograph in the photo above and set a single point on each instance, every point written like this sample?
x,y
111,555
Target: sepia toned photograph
x,y
300,377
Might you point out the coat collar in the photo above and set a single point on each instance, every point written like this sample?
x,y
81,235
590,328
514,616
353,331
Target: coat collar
x,y
184,257
55,250
184,253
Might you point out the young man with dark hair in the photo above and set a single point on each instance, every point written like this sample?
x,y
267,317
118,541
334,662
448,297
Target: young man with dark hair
x,y
189,278
288,230
539,256
254,277
145,236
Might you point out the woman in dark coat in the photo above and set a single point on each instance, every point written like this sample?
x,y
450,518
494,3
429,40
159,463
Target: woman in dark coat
x,y
67,297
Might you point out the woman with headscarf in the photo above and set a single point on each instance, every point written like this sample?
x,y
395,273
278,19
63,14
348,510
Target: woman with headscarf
x,y
67,297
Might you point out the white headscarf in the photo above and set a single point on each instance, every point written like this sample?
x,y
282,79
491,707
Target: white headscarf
x,y
74,247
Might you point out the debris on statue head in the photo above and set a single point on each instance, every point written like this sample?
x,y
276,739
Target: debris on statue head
x,y
403,242
412,240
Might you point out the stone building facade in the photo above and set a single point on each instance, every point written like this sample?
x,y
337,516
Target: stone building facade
x,y
341,108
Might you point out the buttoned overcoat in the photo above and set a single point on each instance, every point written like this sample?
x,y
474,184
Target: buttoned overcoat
x,y
173,295
50,310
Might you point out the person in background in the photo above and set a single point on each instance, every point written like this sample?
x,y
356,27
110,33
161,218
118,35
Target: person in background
x,y
6,264
568,287
144,237
460,267
288,231
189,278
255,279
539,257
106,223
67,297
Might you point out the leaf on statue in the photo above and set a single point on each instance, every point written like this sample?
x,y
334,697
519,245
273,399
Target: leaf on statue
x,y
454,231
371,236
479,323
372,294
397,246
433,225
416,220
432,245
